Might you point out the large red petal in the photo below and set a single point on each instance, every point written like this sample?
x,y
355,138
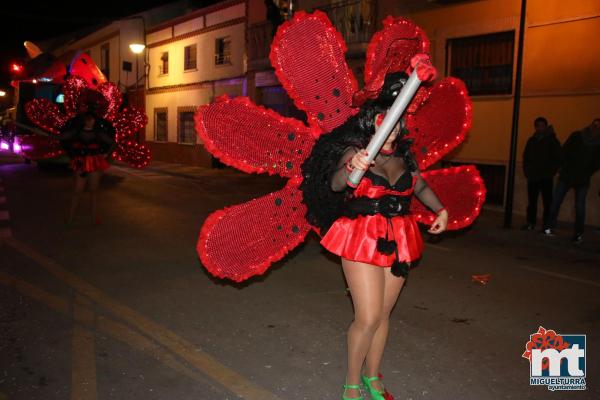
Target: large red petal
x,y
244,240
252,138
460,189
113,96
440,122
391,48
128,122
74,91
308,56
137,155
46,115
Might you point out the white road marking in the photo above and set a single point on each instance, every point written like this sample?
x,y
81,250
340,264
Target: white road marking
x,y
437,246
559,275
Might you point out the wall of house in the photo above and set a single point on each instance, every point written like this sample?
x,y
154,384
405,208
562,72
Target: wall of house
x,y
206,69
181,90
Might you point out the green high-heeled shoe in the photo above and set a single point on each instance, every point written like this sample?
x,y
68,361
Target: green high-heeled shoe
x,y
346,386
375,394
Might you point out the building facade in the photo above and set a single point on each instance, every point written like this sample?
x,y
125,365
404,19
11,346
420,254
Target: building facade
x,y
192,59
109,46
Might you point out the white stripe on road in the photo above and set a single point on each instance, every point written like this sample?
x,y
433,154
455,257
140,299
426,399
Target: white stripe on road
x,y
559,275
437,246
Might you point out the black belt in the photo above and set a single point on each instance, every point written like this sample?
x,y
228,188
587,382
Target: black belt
x,y
388,206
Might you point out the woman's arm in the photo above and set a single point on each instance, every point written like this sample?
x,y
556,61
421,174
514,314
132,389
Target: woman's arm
x,y
428,197
66,135
337,180
106,139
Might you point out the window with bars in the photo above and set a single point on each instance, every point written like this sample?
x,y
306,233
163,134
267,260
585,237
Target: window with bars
x,y
484,62
164,63
223,51
189,61
105,60
161,125
187,133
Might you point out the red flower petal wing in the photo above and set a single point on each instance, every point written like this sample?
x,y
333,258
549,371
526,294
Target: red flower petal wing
x,y
45,114
113,96
440,121
37,147
244,240
137,155
391,48
74,91
460,189
128,122
308,56
252,138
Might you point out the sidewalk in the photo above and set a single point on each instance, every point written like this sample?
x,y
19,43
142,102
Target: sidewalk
x,y
490,226
186,171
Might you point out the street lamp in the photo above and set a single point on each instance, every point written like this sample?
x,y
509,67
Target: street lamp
x,y
137,49
2,93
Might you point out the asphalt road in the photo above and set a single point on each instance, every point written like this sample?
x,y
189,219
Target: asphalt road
x,y
125,310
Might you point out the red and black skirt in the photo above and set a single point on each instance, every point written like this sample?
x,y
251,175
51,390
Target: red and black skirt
x,y
357,239
89,163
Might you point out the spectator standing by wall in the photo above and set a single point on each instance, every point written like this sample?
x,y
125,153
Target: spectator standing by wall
x,y
541,160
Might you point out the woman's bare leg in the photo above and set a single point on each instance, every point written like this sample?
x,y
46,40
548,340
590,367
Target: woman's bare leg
x,y
366,283
392,287
78,188
94,185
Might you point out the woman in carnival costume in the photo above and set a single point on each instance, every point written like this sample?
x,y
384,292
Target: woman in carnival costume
x,y
91,126
372,226
88,141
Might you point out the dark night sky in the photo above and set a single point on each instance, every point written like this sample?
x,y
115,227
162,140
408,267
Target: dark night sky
x,y
37,21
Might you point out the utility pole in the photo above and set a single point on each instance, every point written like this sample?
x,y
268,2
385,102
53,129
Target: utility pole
x,y
510,185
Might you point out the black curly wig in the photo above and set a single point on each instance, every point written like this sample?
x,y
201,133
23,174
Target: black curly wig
x,y
324,205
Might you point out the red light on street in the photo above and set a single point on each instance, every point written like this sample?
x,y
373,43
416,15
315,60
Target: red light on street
x,y
16,67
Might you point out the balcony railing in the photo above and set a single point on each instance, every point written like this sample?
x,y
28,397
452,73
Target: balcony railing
x,y
259,37
354,19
